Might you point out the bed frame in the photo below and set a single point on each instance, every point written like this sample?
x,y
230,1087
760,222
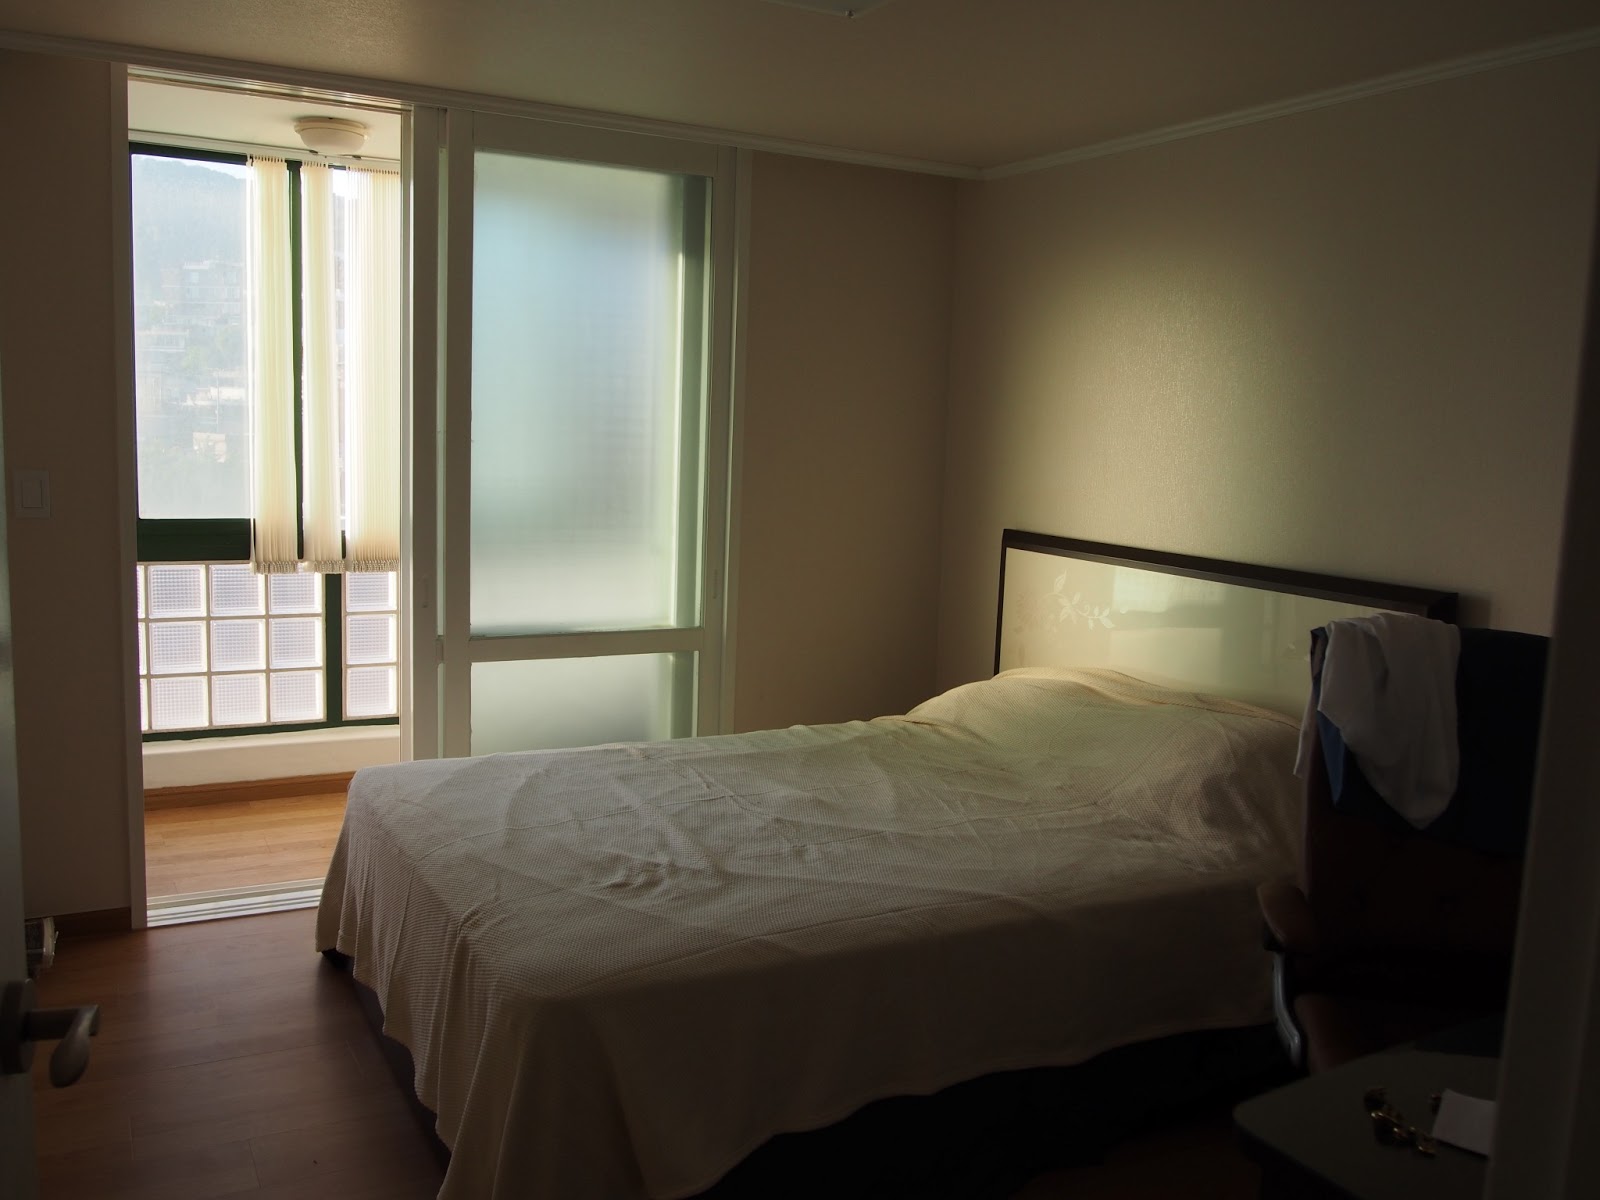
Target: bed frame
x,y
1206,624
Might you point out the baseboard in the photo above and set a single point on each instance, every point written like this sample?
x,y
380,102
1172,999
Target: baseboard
x,y
252,789
104,920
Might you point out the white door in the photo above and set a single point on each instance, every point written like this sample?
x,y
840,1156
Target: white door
x,y
584,464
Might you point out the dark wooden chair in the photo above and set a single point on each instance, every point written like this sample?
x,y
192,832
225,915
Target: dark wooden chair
x,y
1392,932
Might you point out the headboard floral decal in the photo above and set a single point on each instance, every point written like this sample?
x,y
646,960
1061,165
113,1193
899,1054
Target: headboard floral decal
x,y
1074,607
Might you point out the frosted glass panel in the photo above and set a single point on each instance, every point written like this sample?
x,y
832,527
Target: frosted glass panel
x,y
239,700
370,692
549,703
237,645
366,591
295,593
296,643
236,591
178,591
579,345
177,647
297,696
370,639
178,703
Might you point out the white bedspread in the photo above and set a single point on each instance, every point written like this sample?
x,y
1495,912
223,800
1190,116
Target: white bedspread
x,y
621,969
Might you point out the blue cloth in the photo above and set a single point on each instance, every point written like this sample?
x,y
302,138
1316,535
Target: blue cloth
x,y
1499,703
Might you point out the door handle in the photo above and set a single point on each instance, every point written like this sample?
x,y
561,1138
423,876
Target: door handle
x,y
22,1025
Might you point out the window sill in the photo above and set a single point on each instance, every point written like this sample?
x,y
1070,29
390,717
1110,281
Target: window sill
x,y
268,755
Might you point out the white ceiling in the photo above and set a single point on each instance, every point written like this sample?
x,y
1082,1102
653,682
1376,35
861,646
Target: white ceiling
x,y
970,83
156,108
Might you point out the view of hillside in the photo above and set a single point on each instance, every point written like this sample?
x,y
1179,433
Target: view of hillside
x,y
189,340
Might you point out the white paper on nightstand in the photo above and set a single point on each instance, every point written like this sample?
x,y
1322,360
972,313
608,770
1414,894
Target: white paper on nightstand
x,y
1465,1121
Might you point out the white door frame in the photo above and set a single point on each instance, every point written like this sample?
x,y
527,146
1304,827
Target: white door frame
x,y
448,640
420,441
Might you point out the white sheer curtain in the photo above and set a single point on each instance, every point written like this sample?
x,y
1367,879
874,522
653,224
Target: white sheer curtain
x,y
319,375
374,313
349,436
271,358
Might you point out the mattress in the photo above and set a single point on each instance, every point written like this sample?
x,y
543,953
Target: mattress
x,y
620,969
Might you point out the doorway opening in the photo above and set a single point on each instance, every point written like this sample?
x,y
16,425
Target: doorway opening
x,y
269,389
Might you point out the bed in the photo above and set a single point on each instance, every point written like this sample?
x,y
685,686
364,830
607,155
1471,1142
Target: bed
x,y
619,970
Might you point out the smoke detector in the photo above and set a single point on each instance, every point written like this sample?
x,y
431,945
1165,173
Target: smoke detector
x,y
331,135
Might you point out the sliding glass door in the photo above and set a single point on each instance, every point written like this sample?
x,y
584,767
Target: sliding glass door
x,y
584,457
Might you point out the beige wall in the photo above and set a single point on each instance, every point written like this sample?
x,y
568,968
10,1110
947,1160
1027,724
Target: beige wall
x,y
58,380
1344,340
842,441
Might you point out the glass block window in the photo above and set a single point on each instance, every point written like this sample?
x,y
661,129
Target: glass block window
x,y
221,648
204,640
371,645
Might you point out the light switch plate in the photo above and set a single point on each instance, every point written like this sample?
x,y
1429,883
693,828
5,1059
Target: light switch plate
x,y
30,494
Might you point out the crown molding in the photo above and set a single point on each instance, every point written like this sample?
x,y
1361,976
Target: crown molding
x,y
1494,60
381,93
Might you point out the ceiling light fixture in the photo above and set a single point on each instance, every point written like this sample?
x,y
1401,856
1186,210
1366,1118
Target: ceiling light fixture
x,y
331,135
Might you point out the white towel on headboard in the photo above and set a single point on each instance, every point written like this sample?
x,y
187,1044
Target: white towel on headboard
x,y
1389,687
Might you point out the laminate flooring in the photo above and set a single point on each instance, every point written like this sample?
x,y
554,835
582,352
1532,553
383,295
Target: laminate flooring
x,y
239,843
232,1061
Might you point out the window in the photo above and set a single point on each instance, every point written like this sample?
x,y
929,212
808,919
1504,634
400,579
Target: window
x,y
190,354
313,642
222,648
371,643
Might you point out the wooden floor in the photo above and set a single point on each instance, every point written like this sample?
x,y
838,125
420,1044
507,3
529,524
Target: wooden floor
x,y
1195,1160
232,1061
239,843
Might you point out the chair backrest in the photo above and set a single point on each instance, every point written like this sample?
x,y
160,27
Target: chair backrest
x,y
1376,886
1375,882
